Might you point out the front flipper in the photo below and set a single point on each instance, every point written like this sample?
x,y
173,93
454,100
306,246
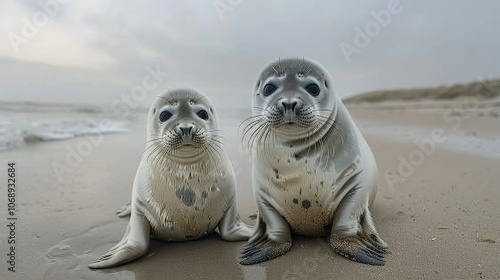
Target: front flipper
x,y
232,228
271,238
124,211
133,245
353,233
358,249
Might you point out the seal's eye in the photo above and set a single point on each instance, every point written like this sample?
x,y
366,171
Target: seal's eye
x,y
313,89
269,89
202,114
165,115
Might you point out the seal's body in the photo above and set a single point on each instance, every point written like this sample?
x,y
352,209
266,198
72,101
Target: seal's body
x,y
313,172
184,187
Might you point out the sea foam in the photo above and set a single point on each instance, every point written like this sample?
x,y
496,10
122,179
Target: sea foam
x,y
17,133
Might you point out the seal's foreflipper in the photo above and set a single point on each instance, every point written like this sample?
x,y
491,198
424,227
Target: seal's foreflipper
x,y
124,211
133,245
232,228
269,240
355,237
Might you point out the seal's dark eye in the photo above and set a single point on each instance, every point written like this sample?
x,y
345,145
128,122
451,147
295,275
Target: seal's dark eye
x,y
269,89
313,89
165,115
202,114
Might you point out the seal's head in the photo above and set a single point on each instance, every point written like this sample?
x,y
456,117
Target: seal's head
x,y
182,126
293,98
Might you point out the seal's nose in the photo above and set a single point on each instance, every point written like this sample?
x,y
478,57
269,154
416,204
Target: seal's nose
x,y
290,105
185,129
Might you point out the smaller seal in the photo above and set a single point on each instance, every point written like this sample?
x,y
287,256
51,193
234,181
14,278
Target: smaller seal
x,y
184,187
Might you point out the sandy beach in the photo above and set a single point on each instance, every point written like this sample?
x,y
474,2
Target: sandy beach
x,y
439,211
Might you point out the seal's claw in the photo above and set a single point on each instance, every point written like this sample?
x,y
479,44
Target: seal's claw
x,y
118,256
365,257
124,211
263,250
357,249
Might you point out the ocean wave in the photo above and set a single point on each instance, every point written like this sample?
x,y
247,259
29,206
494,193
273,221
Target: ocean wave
x,y
15,134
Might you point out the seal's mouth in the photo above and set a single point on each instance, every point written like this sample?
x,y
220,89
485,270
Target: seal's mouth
x,y
289,120
174,141
187,145
288,124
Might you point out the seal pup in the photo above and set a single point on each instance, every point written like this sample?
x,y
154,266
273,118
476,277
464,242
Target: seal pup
x,y
184,187
313,172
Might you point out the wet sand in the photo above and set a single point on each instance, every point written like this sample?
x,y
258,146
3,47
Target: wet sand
x,y
441,220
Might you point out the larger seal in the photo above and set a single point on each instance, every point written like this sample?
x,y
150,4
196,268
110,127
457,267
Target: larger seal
x,y
184,187
313,172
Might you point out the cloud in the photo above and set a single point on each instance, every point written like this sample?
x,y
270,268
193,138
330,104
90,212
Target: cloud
x,y
39,33
110,45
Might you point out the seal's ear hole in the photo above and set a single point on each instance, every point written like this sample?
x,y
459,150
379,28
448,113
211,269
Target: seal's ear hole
x,y
154,111
211,110
326,84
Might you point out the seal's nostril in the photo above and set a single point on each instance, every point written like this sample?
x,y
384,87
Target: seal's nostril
x,y
186,130
289,106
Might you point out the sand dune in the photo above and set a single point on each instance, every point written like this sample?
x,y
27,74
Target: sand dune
x,y
484,90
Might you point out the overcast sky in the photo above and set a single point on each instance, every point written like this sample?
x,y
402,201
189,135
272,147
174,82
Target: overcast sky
x,y
96,51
